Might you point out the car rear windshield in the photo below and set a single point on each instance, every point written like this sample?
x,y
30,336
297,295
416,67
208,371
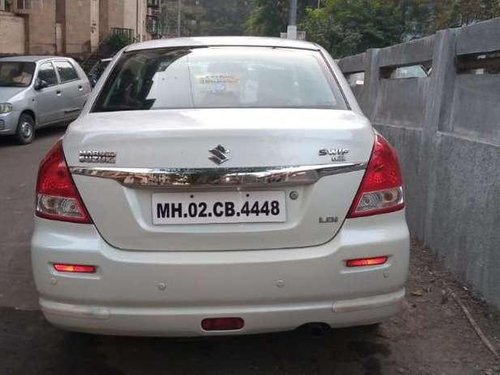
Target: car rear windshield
x,y
16,73
219,77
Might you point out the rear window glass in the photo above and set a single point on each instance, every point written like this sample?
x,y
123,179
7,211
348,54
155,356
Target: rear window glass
x,y
219,77
16,73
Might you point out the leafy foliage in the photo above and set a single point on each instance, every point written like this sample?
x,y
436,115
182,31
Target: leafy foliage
x,y
206,17
347,27
456,13
117,41
344,27
224,17
417,18
270,17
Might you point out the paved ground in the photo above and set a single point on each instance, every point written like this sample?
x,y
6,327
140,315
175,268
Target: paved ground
x,y
431,336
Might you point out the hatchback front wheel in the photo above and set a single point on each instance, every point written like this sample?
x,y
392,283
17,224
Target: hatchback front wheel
x,y
25,132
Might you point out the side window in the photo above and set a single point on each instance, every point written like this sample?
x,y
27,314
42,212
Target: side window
x,y
48,74
66,71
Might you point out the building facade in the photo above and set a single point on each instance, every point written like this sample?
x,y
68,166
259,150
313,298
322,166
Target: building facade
x,y
73,27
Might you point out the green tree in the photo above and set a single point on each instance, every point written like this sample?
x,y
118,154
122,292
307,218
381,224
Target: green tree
x,y
224,17
417,18
456,13
270,17
347,27
206,17
320,28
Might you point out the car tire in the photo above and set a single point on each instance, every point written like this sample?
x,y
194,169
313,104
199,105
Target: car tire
x,y
25,132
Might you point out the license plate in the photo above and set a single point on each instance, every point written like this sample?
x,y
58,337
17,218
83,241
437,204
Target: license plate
x,y
220,207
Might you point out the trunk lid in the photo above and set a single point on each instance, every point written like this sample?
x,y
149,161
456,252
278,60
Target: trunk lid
x,y
253,139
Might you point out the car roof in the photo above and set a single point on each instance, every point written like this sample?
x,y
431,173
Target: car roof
x,y
31,58
223,41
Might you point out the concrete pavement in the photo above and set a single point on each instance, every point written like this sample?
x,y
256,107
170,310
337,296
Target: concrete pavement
x,y
431,336
18,168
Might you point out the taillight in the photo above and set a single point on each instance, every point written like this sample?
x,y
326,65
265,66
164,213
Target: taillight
x,y
56,195
381,189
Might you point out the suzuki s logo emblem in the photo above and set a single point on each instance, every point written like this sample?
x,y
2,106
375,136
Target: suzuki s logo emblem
x,y
219,154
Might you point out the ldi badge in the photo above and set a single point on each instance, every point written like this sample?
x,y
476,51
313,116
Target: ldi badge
x,y
337,154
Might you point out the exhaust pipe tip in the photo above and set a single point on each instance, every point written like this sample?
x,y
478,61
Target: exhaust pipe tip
x,y
316,329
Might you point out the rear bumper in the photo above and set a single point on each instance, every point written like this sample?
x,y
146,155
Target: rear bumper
x,y
182,321
169,293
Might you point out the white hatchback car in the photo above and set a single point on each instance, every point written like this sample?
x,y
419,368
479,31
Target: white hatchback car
x,y
220,186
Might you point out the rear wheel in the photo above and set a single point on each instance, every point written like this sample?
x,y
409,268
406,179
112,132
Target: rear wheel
x,y
25,132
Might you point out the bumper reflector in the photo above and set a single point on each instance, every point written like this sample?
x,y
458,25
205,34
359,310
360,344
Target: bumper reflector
x,y
74,268
365,262
222,324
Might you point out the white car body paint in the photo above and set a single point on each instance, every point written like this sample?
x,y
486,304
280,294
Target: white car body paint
x,y
163,280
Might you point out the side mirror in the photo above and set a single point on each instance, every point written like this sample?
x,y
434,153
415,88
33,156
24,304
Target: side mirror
x,y
92,79
40,84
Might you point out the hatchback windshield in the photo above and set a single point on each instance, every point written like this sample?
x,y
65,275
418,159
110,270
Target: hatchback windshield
x,y
16,73
220,77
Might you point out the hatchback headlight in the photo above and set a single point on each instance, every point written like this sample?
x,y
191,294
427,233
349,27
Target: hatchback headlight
x,y
5,107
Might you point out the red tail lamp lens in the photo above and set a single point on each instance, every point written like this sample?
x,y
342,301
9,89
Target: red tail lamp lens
x,y
381,189
57,196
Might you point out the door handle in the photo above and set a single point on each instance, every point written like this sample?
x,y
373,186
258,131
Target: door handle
x,y
80,88
59,92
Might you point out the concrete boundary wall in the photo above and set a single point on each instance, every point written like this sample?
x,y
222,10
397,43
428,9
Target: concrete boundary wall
x,y
418,50
353,64
446,127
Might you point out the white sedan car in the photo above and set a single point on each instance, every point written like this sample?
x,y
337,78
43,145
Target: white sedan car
x,y
220,186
